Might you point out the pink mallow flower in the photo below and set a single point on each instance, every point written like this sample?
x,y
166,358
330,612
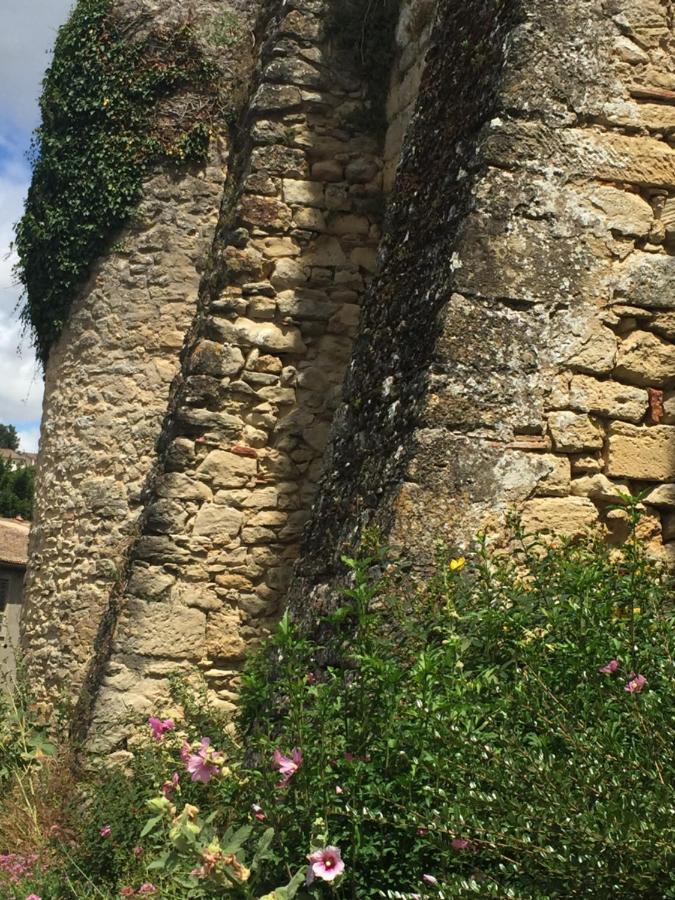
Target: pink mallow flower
x,y
610,668
33,897
127,891
460,844
205,763
160,726
106,831
147,888
258,812
635,683
170,786
326,864
288,765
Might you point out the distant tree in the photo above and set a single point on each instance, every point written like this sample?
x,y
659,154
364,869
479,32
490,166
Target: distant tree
x,y
9,439
16,490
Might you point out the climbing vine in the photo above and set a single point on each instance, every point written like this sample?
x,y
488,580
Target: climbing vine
x,y
113,106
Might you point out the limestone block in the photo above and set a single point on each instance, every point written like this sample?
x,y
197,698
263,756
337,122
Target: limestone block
x,y
303,193
662,496
328,170
555,480
570,516
598,351
288,273
264,212
645,454
648,280
607,398
228,469
669,409
170,631
265,335
274,247
212,358
598,487
361,170
573,433
625,212
325,251
176,485
148,582
310,218
664,324
646,359
276,97
223,640
215,521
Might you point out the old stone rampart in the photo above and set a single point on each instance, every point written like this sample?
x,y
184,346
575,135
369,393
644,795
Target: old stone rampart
x,y
475,301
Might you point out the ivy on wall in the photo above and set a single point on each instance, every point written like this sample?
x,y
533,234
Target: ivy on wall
x,y
113,106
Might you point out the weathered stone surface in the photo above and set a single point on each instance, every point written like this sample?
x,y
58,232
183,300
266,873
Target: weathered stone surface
x,y
555,481
266,335
597,354
573,433
625,212
646,359
598,487
646,454
218,522
663,496
570,516
648,280
225,469
168,632
608,399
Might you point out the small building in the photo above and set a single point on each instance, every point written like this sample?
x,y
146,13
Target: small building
x,y
13,558
18,458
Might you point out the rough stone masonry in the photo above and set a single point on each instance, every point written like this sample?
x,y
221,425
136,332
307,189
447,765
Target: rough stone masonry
x,y
420,327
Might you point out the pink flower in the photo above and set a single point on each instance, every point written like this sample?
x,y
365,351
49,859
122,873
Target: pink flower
x,y
635,684
338,789
205,763
127,891
326,864
147,888
288,766
159,726
422,832
170,786
106,831
138,851
258,812
610,668
460,844
33,897
429,879
184,751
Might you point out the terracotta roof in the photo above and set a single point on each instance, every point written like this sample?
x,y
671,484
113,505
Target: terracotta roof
x,y
14,541
18,456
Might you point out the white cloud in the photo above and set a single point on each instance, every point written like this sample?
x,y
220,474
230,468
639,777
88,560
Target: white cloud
x,y
20,376
28,32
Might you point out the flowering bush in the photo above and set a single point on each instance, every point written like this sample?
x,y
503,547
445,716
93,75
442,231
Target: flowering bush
x,y
503,730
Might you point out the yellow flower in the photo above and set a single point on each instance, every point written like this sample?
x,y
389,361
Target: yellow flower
x,y
457,564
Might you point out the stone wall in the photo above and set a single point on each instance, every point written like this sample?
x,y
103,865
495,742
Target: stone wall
x,y
263,375
524,346
107,386
501,340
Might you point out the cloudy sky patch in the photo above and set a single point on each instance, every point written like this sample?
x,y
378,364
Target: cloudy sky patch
x,y
26,38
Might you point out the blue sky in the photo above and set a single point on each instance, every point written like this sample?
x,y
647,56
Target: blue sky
x,y
28,31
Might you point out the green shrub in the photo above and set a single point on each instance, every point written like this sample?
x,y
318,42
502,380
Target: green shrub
x,y
102,131
485,734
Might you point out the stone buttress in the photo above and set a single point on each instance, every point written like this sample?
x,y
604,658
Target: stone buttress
x,y
423,326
